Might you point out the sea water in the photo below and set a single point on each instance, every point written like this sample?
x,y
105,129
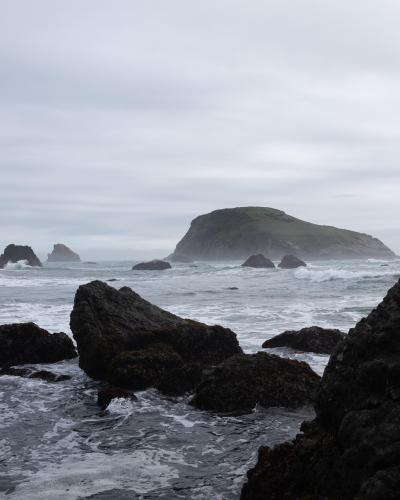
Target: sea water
x,y
55,443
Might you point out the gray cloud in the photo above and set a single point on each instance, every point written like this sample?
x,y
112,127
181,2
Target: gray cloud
x,y
121,122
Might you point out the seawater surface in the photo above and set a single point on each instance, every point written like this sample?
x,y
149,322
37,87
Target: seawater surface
x,y
55,443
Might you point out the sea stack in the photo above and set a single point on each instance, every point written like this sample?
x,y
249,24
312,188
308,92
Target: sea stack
x,y
291,262
236,233
351,450
61,253
258,260
15,253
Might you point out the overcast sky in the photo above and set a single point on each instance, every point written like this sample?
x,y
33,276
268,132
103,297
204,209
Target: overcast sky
x,y
120,121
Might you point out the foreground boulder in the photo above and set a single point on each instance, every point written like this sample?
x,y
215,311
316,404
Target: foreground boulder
x,y
107,394
258,260
291,262
134,344
351,450
152,265
22,343
61,253
238,384
311,339
15,253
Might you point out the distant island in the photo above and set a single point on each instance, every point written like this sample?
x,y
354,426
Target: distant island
x,y
236,233
61,253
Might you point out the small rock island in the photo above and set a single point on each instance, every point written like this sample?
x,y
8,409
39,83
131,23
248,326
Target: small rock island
x,y
61,253
15,253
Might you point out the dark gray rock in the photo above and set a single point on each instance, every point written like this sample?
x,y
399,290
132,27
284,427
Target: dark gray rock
x,y
22,343
46,375
242,381
15,253
61,253
107,394
132,343
152,265
311,339
291,262
351,450
258,260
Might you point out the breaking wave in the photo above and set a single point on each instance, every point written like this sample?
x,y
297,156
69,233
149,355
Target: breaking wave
x,y
339,274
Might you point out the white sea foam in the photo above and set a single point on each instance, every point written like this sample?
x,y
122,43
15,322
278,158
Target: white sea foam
x,y
320,275
15,266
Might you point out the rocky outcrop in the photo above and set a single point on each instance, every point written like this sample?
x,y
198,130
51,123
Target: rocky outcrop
x,y
62,253
134,344
45,375
152,265
236,233
238,384
352,449
258,260
22,343
15,253
291,262
311,339
107,394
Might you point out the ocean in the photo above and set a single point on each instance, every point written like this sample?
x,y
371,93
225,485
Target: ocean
x,y
55,443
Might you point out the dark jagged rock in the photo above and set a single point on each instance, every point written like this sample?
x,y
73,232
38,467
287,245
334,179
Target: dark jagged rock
x,y
22,343
61,253
236,233
179,258
31,373
239,383
258,260
311,339
152,265
15,253
352,449
291,262
132,343
107,394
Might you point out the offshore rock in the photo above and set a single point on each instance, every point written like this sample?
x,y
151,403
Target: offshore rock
x,y
352,449
311,339
61,253
240,383
15,253
132,343
152,265
291,262
258,260
22,343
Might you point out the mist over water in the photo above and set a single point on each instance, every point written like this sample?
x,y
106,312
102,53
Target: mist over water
x,y
56,443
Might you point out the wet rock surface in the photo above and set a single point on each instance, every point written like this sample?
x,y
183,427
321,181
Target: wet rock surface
x,y
23,343
240,383
291,262
132,343
107,394
15,253
152,265
258,260
351,450
311,339
45,375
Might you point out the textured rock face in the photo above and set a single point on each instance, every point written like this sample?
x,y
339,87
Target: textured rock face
x,y
239,383
352,449
291,262
132,343
22,343
311,339
62,253
36,374
152,265
236,233
107,394
258,260
15,253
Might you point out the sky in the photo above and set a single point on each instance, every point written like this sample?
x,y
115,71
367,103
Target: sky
x,y
122,120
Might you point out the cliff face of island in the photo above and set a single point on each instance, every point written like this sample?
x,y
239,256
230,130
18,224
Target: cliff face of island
x,y
236,233
61,253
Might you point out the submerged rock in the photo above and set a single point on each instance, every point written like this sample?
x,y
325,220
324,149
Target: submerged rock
x,y
152,265
238,384
132,343
15,253
291,262
258,260
22,343
46,375
61,253
311,339
351,450
107,394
